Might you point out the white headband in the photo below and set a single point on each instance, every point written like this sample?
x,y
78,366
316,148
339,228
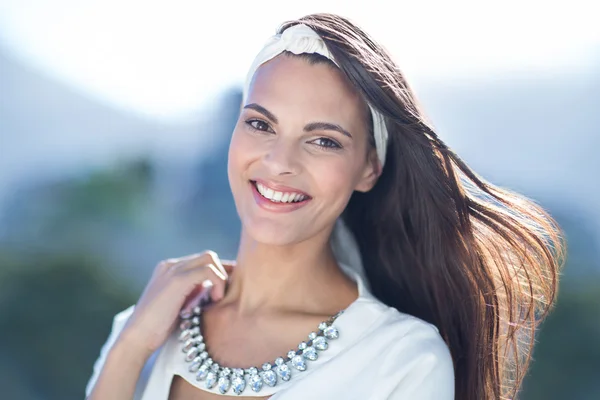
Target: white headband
x,y
300,39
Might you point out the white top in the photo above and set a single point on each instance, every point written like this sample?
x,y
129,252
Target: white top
x,y
381,353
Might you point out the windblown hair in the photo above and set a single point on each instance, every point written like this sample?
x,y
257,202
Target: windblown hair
x,y
438,242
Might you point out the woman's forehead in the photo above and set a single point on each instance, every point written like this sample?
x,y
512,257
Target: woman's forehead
x,y
309,87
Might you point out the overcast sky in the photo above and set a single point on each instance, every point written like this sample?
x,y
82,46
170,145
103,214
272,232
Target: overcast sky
x,y
163,58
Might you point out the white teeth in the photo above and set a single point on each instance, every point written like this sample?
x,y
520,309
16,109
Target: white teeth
x,y
279,197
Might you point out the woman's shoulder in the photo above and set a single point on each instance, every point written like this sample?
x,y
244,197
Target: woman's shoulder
x,y
392,322
415,354
400,330
411,327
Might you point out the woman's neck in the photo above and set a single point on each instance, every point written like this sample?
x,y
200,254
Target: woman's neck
x,y
304,278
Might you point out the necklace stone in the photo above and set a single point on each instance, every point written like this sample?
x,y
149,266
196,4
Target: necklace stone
x,y
238,379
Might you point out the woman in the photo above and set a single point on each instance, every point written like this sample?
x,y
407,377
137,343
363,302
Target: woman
x,y
365,239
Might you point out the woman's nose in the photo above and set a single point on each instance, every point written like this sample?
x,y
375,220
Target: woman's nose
x,y
283,158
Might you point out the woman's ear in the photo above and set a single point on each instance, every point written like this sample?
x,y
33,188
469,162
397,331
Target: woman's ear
x,y
371,172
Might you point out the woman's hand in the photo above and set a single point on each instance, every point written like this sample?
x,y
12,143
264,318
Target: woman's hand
x,y
175,287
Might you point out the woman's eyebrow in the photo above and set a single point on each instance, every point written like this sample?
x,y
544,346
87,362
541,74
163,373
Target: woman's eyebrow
x,y
313,126
263,111
326,126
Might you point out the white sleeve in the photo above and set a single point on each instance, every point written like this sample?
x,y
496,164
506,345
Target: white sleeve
x,y
423,369
118,323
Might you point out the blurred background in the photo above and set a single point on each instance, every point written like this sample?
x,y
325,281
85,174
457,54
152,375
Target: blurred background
x,y
115,118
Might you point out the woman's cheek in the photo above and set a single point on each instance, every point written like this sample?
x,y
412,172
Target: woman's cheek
x,y
243,150
236,155
337,179
237,144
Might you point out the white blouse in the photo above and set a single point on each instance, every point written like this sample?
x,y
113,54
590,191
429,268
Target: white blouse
x,y
380,354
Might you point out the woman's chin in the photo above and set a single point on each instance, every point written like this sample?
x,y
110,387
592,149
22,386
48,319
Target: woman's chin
x,y
273,234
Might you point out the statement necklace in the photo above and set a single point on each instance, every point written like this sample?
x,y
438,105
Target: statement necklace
x,y
237,379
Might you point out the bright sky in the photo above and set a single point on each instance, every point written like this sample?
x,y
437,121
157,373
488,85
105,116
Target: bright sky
x,y
164,58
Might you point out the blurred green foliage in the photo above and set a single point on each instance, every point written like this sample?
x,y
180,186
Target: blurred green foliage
x,y
81,211
566,359
60,286
55,313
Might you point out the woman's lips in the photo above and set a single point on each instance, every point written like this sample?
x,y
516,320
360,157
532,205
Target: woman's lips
x,y
279,187
272,206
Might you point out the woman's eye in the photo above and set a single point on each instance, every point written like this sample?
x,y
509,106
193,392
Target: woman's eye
x,y
259,125
327,143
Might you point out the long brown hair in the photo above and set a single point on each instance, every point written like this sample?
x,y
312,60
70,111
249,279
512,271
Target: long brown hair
x,y
439,242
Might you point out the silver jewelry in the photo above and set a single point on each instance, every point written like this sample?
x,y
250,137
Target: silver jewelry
x,y
238,379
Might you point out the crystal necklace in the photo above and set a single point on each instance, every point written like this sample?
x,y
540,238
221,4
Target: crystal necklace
x,y
237,379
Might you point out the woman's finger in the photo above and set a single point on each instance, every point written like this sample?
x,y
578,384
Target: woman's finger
x,y
207,258
196,268
229,265
194,299
214,284
178,260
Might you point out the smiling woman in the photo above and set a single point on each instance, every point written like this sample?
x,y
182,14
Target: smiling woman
x,y
292,131
368,248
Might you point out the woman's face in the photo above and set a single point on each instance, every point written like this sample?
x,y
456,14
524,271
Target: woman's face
x,y
298,151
